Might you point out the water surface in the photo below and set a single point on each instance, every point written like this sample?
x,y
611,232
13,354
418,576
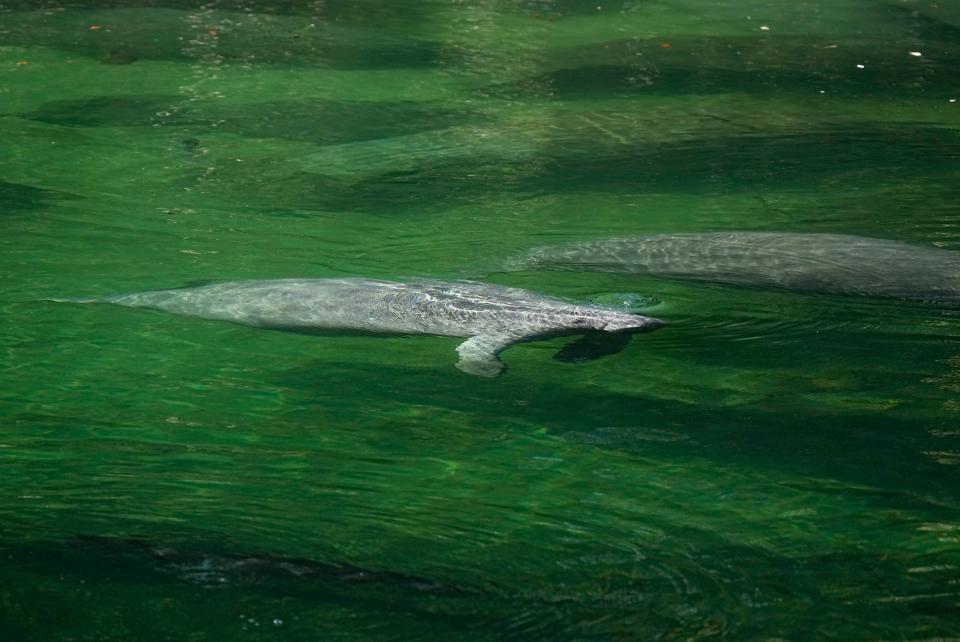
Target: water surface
x,y
771,465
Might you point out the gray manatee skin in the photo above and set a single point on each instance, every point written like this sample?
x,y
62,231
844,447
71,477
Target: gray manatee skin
x,y
492,316
826,263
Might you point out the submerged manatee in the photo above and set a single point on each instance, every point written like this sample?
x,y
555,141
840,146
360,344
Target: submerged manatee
x,y
493,316
828,263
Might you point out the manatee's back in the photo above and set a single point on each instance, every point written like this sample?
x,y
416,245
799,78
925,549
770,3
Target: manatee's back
x,y
425,306
281,303
469,308
466,308
833,263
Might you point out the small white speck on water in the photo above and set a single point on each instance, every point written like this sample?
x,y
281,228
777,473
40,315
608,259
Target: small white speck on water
x,y
860,67
953,100
916,54
764,28
277,622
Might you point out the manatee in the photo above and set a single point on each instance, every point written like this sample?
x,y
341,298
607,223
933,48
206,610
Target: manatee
x,y
493,317
815,263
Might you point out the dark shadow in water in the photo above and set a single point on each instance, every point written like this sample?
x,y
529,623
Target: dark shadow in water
x,y
16,198
340,10
659,591
924,23
120,56
113,111
731,162
858,154
840,443
591,82
593,346
348,36
214,564
571,8
758,64
316,121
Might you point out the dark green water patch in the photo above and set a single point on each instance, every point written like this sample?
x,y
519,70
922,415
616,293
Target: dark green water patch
x,y
744,423
122,55
345,10
315,121
700,72
927,20
16,198
214,37
863,152
117,111
85,595
862,155
215,564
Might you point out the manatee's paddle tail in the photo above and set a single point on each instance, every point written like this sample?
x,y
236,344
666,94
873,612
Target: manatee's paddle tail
x,y
78,300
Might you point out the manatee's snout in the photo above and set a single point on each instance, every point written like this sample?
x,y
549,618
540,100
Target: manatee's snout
x,y
634,322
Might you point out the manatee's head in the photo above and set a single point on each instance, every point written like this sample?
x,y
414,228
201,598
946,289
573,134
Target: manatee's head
x,y
633,323
611,321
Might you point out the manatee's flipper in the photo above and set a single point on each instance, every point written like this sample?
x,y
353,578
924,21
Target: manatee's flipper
x,y
478,355
593,346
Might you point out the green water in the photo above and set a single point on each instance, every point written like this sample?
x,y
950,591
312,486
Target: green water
x,y
770,466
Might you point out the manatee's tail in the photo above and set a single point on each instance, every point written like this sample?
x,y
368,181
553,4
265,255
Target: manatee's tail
x,y
516,262
102,299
